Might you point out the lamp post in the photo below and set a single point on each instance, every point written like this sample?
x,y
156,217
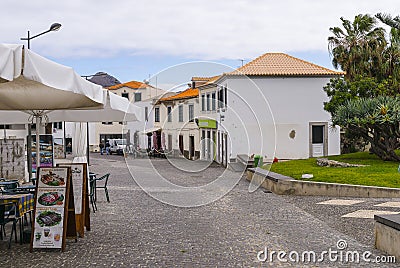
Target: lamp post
x,y
54,27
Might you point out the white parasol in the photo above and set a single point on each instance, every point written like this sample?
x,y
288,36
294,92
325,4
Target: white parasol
x,y
37,86
115,109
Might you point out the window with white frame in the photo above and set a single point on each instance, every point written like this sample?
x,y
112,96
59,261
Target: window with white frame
x,y
157,114
221,98
203,103
138,96
226,97
208,102
180,113
191,112
57,125
125,95
169,113
213,101
146,113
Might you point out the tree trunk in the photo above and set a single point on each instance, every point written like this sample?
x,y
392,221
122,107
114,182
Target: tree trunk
x,y
386,154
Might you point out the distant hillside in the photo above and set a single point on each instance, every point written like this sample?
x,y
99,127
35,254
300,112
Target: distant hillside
x,y
104,79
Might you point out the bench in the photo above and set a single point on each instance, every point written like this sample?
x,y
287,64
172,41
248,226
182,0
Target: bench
x,y
387,234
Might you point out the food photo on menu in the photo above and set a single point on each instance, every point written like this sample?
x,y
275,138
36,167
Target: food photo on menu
x,y
48,227
53,177
48,197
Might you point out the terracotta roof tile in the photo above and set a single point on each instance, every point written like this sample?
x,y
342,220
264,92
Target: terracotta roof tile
x,y
131,84
281,64
186,94
207,80
198,78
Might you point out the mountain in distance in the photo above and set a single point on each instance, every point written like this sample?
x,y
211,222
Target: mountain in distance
x,y
104,79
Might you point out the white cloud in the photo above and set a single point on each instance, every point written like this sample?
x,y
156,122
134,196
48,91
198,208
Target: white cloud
x,y
206,29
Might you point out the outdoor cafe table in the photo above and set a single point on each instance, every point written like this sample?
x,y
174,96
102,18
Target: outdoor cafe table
x,y
5,183
30,188
24,204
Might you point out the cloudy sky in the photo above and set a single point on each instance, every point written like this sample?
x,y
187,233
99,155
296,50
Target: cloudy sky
x,y
133,39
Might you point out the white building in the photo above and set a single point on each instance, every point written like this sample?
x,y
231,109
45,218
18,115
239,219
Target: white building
x,y
176,129
272,106
140,94
208,118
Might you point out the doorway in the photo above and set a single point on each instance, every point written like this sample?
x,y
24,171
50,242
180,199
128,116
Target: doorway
x,y
191,147
181,144
318,139
209,153
68,145
169,142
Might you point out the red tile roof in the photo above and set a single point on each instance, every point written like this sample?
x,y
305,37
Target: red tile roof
x,y
131,84
281,64
186,94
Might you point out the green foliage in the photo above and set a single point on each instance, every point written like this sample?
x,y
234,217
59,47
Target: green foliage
x,y
377,173
340,90
371,61
357,47
376,120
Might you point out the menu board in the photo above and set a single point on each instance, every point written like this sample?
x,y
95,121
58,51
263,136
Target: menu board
x,y
51,207
79,180
58,146
46,151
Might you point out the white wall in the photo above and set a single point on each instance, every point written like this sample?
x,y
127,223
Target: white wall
x,y
290,103
176,128
141,125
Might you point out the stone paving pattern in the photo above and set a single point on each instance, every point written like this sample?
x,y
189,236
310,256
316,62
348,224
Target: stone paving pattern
x,y
135,230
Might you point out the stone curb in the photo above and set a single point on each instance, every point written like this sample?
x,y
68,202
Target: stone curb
x,y
283,185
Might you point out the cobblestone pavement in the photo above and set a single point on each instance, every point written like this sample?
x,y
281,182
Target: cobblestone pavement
x,y
136,230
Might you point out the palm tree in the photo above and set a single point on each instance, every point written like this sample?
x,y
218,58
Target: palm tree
x,y
388,20
391,66
357,49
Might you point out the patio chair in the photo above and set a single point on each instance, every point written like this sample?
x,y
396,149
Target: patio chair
x,y
10,188
92,191
7,215
104,179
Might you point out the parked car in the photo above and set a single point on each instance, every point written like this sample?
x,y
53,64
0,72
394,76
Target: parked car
x,y
117,146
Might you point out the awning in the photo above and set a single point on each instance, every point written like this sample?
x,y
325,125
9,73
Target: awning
x,y
207,123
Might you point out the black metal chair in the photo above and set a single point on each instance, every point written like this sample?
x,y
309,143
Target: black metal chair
x,y
92,190
8,215
104,179
10,188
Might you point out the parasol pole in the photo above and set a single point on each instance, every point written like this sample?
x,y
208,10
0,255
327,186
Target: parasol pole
x,y
37,145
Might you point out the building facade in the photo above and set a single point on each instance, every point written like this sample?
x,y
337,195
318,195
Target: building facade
x,y
141,95
272,106
175,122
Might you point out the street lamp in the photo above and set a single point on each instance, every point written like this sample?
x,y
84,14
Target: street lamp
x,y
54,27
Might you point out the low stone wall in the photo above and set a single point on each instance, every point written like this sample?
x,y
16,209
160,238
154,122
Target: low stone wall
x,y
284,185
387,234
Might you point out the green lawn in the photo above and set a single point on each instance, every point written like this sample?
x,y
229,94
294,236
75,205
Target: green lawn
x,y
378,173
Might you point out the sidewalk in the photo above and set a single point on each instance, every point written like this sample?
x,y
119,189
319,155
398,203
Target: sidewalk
x,y
135,230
